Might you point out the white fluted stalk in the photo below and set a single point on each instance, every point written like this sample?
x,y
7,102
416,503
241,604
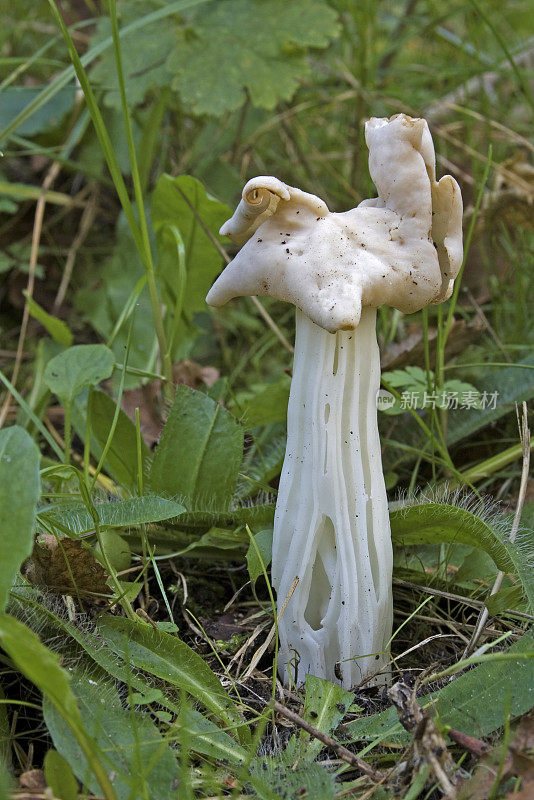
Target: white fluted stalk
x,y
331,523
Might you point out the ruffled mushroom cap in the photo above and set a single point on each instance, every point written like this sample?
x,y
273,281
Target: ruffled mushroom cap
x,y
402,249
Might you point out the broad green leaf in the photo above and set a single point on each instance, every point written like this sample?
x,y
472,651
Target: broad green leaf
x,y
82,365
268,405
324,707
427,523
91,643
134,754
170,659
57,329
59,776
184,202
121,459
149,47
438,522
40,666
199,452
512,385
15,99
20,488
242,46
76,520
264,543
203,736
476,703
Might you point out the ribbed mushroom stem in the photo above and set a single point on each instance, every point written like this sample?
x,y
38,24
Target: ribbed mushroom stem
x,y
331,523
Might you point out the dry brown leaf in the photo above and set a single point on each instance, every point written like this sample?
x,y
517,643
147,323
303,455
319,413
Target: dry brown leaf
x,y
66,566
33,779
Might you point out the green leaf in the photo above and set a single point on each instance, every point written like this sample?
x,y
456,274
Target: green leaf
x,y
59,776
264,543
287,776
15,99
438,522
42,668
183,202
476,703
199,452
121,458
242,46
149,47
134,754
170,659
57,329
82,365
76,519
324,707
203,736
268,405
218,540
116,549
20,488
512,384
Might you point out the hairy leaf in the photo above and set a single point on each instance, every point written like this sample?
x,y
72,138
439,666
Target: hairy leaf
x,y
42,668
170,659
476,703
199,453
76,520
134,753
439,522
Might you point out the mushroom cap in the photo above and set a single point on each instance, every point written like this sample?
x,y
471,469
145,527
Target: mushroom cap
x,y
402,249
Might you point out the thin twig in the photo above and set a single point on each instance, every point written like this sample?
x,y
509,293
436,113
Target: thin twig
x,y
525,441
86,222
338,748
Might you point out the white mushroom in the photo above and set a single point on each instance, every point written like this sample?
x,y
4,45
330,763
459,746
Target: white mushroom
x,y
402,249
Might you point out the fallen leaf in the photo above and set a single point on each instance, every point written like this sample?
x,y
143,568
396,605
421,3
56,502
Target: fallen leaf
x,y
33,779
66,566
